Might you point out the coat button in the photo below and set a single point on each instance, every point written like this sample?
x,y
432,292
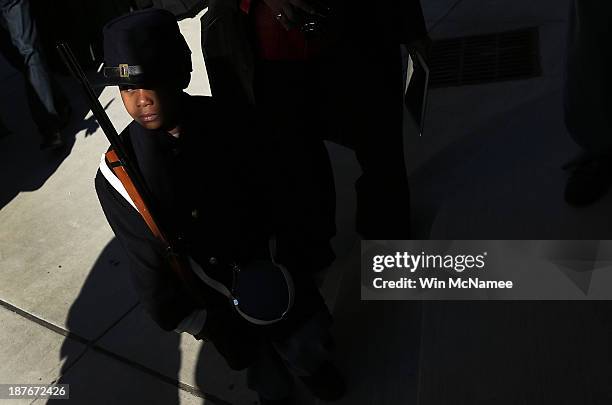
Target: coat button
x,y
212,260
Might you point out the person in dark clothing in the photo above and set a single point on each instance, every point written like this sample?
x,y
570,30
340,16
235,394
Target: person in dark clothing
x,y
341,81
588,109
217,187
48,104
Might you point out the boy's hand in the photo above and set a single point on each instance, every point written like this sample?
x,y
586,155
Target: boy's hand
x,y
290,13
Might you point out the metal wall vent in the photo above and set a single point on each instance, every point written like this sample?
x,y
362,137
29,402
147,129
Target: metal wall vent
x,y
509,55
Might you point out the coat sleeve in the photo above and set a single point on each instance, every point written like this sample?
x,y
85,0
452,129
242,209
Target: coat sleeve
x,y
159,290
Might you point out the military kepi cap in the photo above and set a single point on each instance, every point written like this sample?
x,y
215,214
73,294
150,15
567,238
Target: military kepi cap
x,y
145,48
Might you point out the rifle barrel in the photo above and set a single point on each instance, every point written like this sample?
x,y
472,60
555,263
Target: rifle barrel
x,y
109,130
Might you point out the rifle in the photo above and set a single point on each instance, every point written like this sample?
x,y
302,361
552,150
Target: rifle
x,y
184,267
121,165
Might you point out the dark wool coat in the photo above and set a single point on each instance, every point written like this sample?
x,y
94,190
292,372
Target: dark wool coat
x,y
224,191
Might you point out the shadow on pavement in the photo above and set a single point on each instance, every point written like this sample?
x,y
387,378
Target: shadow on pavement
x,y
23,167
129,359
99,375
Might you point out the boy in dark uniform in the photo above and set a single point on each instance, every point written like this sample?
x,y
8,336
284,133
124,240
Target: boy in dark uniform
x,y
216,187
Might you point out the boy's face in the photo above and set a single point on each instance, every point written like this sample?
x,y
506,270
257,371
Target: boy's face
x,y
153,108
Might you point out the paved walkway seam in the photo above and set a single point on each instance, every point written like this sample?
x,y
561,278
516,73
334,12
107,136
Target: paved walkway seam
x,y
93,346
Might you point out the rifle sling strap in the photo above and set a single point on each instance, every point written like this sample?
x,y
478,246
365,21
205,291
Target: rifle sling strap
x,y
128,189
